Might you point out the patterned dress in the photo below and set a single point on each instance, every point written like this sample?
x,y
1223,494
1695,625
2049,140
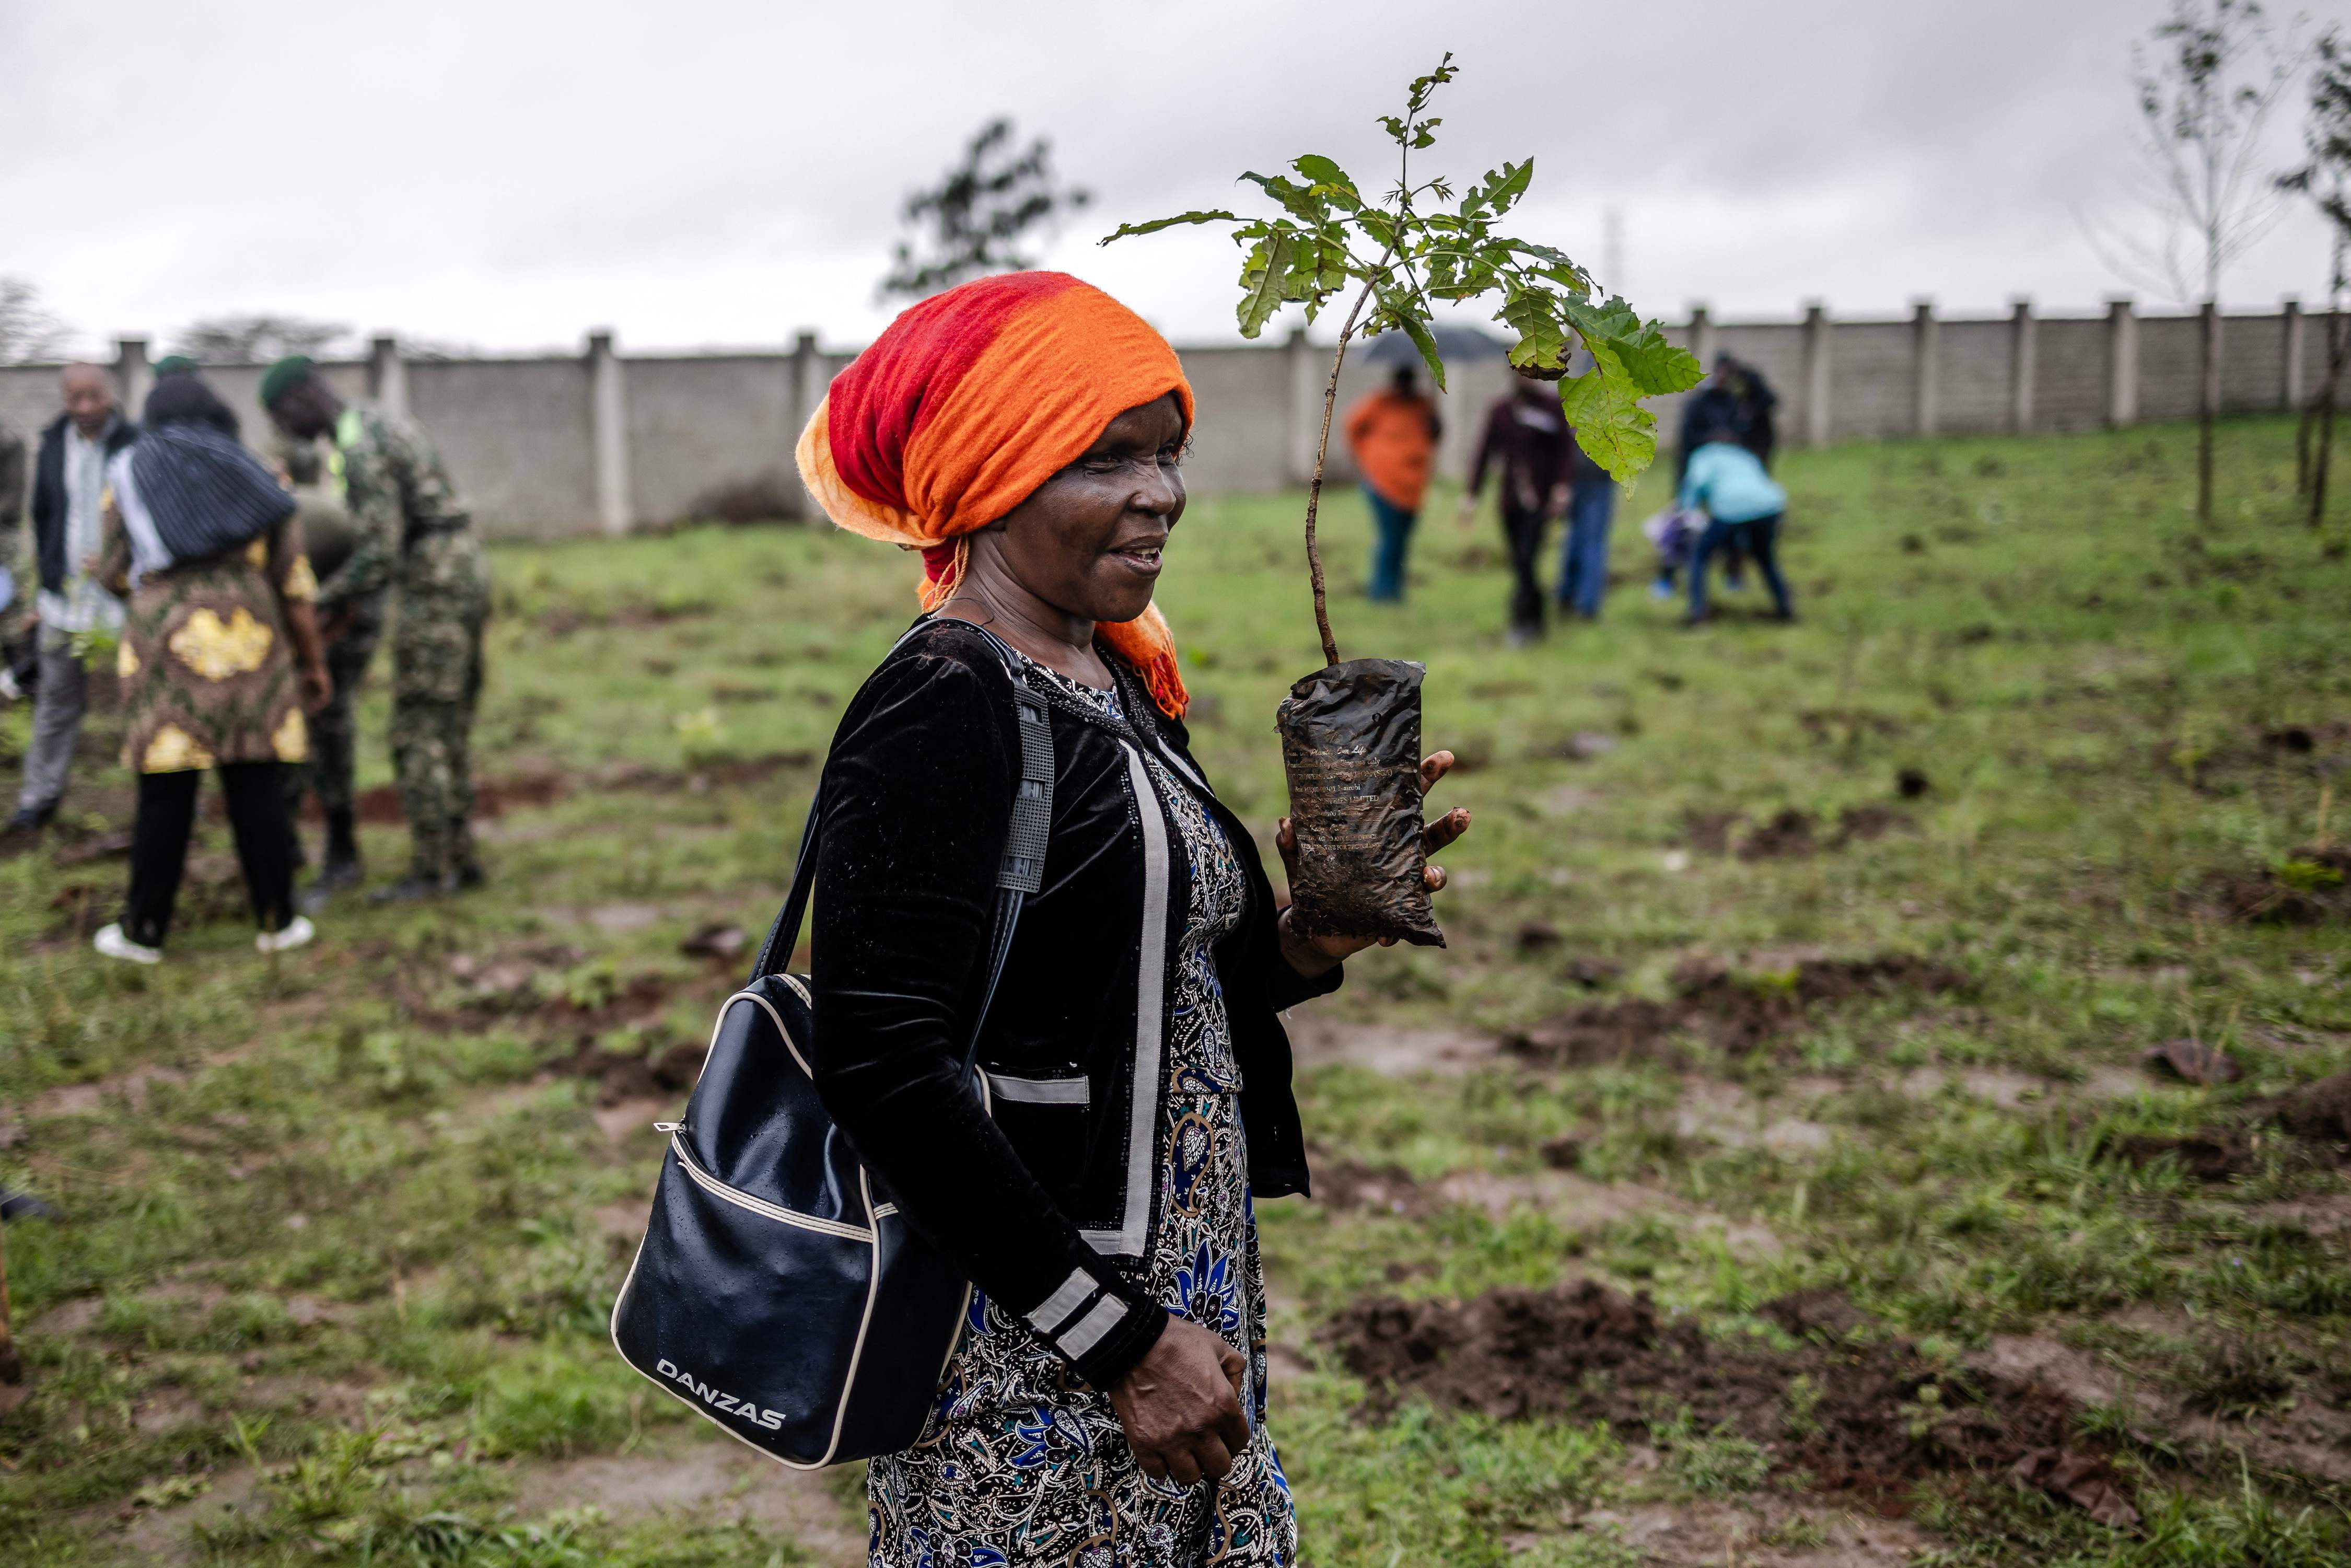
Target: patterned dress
x,y
1022,1463
207,671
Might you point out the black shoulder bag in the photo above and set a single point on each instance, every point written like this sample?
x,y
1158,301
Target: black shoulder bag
x,y
774,1291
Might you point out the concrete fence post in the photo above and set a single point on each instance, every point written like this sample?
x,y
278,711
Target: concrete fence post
x,y
1702,335
2290,373
609,433
2122,364
1925,354
1309,373
2024,366
808,390
387,376
133,378
1816,374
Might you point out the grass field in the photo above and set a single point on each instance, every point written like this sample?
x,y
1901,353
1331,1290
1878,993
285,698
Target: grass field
x,y
1845,1074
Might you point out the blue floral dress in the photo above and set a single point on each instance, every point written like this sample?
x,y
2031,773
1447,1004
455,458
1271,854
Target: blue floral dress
x,y
1022,1463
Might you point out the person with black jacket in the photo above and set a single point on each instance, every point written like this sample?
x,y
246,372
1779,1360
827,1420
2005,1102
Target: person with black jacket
x,y
1139,1101
69,483
1529,439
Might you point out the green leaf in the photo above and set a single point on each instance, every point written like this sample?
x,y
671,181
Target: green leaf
x,y
1611,425
1414,327
1323,172
1499,192
1155,225
1299,201
1649,360
1264,280
1657,365
1542,343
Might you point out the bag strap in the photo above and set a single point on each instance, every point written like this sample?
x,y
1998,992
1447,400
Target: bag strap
x,y
1021,874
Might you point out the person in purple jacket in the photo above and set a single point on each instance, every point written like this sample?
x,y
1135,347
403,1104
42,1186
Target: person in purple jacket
x,y
1530,438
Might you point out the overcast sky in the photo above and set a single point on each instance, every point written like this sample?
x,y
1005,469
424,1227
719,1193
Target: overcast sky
x,y
703,173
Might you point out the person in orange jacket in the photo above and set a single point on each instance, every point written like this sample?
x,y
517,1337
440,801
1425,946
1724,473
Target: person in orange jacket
x,y
1393,433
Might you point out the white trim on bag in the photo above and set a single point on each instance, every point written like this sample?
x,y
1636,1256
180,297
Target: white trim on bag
x,y
768,1007
761,1206
1150,1000
865,1319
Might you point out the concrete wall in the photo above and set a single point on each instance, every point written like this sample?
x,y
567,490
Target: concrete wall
x,y
599,441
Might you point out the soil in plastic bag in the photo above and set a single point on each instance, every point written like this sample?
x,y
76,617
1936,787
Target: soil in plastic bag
x,y
1350,745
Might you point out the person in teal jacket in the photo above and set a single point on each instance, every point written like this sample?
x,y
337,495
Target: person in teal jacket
x,y
1743,505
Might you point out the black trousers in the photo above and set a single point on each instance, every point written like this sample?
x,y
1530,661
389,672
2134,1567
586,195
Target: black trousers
x,y
159,845
1522,529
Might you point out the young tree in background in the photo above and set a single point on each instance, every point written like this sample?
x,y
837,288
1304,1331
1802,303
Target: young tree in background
x,y
2216,70
977,212
29,333
254,339
2326,179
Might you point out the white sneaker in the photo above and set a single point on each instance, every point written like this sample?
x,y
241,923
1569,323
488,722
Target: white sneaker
x,y
297,934
111,942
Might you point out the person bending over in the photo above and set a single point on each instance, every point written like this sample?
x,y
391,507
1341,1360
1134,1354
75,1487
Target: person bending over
x,y
1743,505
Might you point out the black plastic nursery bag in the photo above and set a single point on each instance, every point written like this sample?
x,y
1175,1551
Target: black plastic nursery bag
x,y
1350,746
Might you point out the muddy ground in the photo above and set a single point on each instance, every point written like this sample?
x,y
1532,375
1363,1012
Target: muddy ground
x,y
1733,1012
1851,1410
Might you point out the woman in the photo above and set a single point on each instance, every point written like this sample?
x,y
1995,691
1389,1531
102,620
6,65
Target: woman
x,y
220,658
1108,1396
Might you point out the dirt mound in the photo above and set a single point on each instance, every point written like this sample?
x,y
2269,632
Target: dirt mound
x,y
2216,1154
1859,824
1867,1417
1791,833
1733,1010
2311,885
619,1077
1822,1312
1350,1183
492,798
717,773
1787,836
2319,1111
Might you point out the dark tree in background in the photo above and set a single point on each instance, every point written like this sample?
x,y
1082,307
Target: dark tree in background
x,y
29,333
252,340
972,222
2206,86
2326,179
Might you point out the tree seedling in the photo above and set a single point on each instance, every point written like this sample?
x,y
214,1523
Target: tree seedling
x,y
1351,733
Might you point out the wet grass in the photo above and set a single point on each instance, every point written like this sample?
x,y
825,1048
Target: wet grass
x,y
340,1239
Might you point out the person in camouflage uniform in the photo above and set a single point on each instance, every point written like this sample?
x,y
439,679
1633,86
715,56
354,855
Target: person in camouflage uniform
x,y
412,534
327,534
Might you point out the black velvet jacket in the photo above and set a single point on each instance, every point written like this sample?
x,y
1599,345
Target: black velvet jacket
x,y
1048,1200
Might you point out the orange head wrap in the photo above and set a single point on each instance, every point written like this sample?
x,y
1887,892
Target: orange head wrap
x,y
966,403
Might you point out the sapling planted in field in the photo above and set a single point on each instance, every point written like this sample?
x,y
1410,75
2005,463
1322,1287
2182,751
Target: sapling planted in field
x,y
1351,732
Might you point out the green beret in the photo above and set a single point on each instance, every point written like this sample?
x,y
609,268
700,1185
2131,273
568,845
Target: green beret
x,y
175,365
283,377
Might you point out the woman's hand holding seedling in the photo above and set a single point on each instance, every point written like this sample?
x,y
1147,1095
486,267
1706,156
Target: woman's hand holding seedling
x,y
1311,955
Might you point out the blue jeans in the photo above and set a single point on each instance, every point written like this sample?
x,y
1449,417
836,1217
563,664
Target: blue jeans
x,y
1759,539
1584,559
1394,526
